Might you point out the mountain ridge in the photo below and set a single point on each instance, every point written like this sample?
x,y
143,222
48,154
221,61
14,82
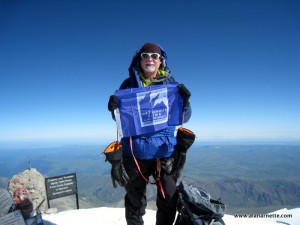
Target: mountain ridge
x,y
247,178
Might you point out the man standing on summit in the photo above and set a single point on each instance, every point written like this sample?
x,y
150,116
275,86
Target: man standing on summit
x,y
154,154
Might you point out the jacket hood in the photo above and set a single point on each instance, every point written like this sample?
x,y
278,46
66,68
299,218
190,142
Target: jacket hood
x,y
135,67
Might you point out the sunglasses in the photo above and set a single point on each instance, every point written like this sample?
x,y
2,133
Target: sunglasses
x,y
152,55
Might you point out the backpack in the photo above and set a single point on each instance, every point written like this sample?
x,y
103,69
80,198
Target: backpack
x,y
195,207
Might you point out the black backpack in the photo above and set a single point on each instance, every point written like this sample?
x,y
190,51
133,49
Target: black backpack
x,y
195,207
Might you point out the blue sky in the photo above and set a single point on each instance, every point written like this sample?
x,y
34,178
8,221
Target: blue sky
x,y
61,60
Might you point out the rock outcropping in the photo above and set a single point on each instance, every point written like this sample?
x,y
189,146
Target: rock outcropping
x,y
28,191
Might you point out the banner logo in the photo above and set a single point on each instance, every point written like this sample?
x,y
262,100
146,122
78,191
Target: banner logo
x,y
153,107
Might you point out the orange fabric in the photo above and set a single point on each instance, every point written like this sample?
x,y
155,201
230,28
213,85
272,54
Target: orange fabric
x,y
113,147
185,130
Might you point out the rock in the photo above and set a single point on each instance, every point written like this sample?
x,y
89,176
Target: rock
x,y
28,191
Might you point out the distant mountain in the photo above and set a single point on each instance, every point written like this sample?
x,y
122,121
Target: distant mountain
x,y
240,195
248,178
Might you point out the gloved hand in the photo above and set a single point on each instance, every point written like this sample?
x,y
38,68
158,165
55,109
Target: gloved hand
x,y
185,94
173,166
167,164
179,161
118,173
113,153
113,103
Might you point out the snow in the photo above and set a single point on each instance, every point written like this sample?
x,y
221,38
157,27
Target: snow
x,y
116,216
101,216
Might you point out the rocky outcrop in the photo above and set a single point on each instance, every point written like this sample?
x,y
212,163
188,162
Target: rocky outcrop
x,y
28,191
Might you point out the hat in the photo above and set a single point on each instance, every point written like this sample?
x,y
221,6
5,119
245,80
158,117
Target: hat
x,y
151,47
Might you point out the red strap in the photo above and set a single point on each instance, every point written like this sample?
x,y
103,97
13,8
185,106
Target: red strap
x,y
158,181
137,164
158,167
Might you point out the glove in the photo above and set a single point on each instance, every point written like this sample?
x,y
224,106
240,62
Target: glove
x,y
179,161
185,94
113,153
167,164
185,138
113,103
174,165
119,174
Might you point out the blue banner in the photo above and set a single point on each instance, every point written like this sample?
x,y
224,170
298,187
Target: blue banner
x,y
148,109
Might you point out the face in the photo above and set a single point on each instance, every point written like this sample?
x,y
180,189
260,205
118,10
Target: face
x,y
150,65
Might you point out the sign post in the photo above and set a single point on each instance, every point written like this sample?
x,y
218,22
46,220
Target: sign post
x,y
61,186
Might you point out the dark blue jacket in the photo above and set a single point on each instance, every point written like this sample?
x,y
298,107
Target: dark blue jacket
x,y
159,144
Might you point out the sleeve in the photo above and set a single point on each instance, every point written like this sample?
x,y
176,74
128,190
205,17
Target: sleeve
x,y
187,112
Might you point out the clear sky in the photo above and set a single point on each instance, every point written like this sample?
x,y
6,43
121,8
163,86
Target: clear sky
x,y
61,60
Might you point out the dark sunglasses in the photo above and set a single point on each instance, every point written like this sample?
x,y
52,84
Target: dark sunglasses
x,y
152,55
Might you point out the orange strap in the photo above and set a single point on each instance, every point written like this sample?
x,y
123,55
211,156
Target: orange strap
x,y
158,168
158,181
137,164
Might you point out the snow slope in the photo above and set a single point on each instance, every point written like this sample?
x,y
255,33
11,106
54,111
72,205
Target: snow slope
x,y
116,216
